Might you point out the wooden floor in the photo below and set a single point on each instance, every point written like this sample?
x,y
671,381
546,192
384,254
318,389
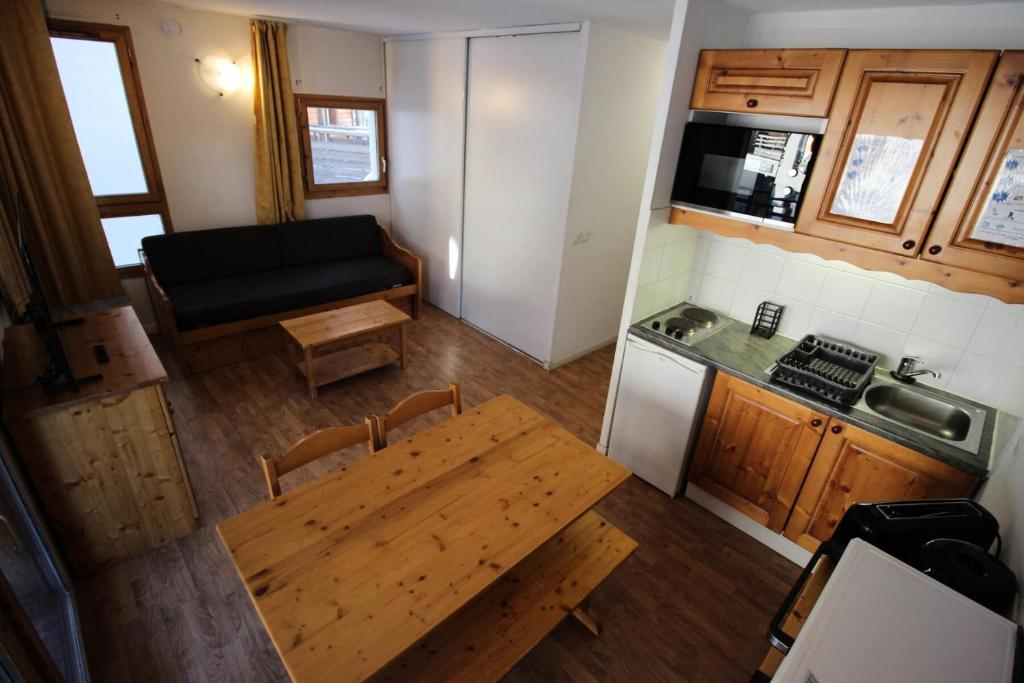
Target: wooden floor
x,y
691,604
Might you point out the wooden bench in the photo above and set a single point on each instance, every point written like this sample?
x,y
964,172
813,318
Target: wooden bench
x,y
487,637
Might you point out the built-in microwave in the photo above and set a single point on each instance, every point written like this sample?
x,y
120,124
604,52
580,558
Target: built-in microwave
x,y
749,173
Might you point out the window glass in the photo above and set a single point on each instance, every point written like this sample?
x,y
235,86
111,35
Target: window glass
x,y
125,233
343,144
91,76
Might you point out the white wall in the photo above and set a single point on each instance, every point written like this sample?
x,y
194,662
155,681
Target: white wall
x,y
696,24
204,143
967,26
621,83
426,81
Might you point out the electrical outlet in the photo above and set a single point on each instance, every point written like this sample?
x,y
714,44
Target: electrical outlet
x,y
580,237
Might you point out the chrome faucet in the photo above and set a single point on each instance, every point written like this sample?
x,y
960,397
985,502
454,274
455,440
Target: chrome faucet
x,y
906,371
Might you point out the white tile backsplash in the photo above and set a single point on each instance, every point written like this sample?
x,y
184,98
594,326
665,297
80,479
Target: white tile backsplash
x,y
801,281
947,319
976,342
844,293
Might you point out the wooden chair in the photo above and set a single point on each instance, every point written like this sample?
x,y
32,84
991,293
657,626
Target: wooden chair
x,y
416,405
317,445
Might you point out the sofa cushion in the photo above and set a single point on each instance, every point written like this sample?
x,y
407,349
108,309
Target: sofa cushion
x,y
197,255
212,302
328,239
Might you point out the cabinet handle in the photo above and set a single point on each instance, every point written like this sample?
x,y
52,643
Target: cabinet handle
x,y
836,429
751,103
934,249
909,244
815,422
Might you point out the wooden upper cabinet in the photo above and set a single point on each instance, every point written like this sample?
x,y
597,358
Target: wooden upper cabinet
x,y
856,466
794,82
754,449
897,125
992,164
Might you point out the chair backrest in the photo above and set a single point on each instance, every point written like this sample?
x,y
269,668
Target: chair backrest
x,y
415,405
317,445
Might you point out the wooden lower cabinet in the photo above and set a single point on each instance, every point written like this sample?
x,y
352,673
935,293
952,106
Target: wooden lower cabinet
x,y
105,460
856,466
796,471
754,449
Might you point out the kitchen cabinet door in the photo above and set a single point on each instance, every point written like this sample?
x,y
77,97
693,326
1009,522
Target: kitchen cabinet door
x,y
897,125
988,178
855,466
754,449
795,82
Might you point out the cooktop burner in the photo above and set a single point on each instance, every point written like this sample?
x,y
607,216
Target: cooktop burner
x,y
700,316
685,323
687,327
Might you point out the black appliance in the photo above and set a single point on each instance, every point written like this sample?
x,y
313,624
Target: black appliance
x,y
948,539
751,173
59,373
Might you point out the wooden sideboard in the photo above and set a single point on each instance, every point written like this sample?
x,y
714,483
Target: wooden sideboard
x,y
105,461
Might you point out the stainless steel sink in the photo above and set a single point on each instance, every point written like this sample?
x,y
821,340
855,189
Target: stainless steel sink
x,y
958,424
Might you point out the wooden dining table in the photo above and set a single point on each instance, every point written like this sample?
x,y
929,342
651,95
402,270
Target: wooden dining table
x,y
349,571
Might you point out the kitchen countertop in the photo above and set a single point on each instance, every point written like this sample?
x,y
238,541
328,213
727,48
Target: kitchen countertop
x,y
734,350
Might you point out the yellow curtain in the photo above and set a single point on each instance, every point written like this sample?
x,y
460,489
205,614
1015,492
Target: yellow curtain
x,y
41,168
279,191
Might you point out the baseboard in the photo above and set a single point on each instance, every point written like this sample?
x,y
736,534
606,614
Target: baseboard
x,y
579,354
780,544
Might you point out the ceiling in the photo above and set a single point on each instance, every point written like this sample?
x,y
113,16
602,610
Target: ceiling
x,y
393,17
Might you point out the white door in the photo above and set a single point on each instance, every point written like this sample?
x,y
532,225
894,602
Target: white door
x,y
426,129
521,120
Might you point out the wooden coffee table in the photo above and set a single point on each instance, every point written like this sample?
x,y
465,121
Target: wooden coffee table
x,y
329,328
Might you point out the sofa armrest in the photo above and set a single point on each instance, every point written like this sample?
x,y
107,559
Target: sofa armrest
x,y
402,256
161,302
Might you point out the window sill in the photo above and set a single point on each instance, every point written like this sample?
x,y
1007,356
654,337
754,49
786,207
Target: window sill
x,y
328,192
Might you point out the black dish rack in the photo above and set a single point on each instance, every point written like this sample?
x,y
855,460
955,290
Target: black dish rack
x,y
829,369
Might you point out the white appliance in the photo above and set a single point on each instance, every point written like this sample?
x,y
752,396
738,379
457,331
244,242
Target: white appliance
x,y
657,411
881,620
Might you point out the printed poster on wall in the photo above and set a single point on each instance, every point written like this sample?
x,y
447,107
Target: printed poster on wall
x,y
877,173
1002,219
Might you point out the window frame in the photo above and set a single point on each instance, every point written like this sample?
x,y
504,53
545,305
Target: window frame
x,y
316,190
154,200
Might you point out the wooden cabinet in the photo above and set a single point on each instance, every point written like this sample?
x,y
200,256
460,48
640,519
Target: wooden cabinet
x,y
855,466
795,82
754,449
796,471
896,129
105,461
999,127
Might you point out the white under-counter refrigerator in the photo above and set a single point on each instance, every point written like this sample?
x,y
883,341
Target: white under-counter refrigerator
x,y
658,409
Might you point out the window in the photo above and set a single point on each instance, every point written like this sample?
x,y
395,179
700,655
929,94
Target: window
x,y
104,95
344,145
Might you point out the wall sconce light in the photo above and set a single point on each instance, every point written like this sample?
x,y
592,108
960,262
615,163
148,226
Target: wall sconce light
x,y
219,74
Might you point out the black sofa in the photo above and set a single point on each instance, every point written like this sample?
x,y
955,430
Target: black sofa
x,y
219,294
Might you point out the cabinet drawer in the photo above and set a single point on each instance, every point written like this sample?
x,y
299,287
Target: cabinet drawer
x,y
795,82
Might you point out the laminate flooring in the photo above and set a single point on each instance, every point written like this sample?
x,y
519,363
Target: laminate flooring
x,y
692,604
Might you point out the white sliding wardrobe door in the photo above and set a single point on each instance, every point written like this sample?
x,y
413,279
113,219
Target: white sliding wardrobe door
x,y
426,130
521,123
